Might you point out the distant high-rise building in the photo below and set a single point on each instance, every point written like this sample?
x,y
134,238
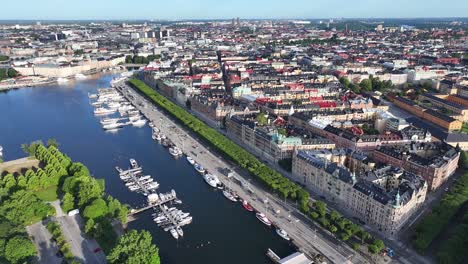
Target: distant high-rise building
x,y
233,23
238,22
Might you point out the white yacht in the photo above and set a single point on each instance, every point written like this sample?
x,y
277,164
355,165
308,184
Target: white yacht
x,y
113,105
134,188
134,118
186,221
174,233
103,111
1,151
263,218
199,168
175,151
190,160
133,163
80,76
282,233
210,180
152,185
229,195
180,231
113,126
108,121
139,123
62,80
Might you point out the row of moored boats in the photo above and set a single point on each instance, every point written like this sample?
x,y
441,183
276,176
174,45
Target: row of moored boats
x,y
135,180
213,181
115,110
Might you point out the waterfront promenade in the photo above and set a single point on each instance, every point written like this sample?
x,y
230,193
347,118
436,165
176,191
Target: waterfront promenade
x,y
309,240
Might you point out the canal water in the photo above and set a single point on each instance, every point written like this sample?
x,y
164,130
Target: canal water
x,y
221,232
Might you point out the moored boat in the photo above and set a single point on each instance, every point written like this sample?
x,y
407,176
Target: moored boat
x,y
174,233
210,180
190,160
263,218
133,163
247,206
227,193
180,231
282,233
199,168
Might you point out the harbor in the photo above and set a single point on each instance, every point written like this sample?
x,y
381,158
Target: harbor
x,y
220,230
168,218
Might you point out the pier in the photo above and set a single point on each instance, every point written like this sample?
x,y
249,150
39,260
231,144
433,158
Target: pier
x,y
168,198
168,218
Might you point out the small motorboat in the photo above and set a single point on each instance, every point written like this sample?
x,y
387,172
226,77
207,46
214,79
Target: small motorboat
x,y
174,233
180,231
263,218
229,195
282,234
210,180
133,163
247,206
199,168
190,160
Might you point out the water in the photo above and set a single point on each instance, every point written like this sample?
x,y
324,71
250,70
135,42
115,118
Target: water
x,y
222,231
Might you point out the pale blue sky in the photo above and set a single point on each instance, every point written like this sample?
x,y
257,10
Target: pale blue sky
x,y
206,9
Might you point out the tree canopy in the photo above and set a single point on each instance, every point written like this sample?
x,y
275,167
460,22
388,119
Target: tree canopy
x,y
134,247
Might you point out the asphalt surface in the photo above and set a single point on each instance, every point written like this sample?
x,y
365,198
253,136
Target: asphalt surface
x,y
43,241
309,240
82,248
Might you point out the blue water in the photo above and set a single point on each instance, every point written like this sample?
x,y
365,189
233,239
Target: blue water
x,y
221,232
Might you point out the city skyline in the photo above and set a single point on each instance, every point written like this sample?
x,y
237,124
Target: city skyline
x,y
210,9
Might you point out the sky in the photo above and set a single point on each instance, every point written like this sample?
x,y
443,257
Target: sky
x,y
226,9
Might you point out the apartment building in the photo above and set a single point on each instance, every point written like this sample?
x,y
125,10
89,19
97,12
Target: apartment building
x,y
385,198
433,161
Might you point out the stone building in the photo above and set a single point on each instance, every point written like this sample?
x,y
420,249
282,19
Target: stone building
x,y
434,161
385,198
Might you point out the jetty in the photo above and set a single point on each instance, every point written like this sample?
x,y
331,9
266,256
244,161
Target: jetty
x,y
170,219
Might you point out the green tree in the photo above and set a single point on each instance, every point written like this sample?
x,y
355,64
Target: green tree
x,y
19,250
262,119
377,246
52,142
463,161
31,148
97,209
89,189
366,85
68,202
320,207
89,227
334,216
363,235
134,247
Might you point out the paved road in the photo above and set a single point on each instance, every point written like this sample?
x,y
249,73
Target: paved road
x,y
81,247
310,240
42,240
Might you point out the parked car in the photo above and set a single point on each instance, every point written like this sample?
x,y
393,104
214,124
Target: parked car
x,y
96,250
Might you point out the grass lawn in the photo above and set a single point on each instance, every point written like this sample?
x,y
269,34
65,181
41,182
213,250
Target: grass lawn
x,y
48,195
